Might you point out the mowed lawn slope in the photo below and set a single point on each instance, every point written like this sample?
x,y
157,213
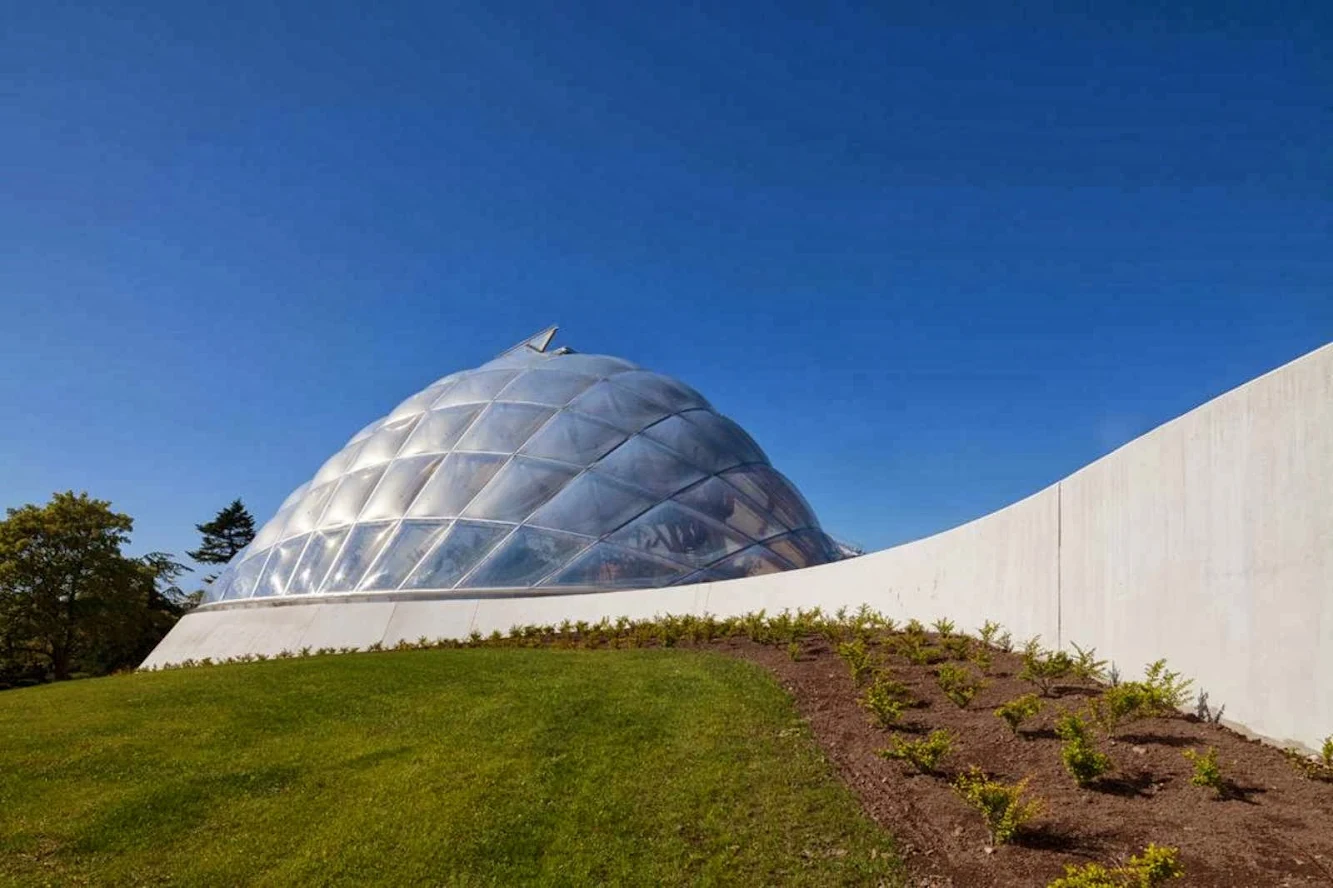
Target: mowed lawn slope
x,y
459,767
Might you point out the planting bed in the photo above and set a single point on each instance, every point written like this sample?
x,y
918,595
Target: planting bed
x,y
1275,828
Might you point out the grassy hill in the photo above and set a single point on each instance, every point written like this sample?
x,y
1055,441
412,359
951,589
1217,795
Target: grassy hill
x,y
460,767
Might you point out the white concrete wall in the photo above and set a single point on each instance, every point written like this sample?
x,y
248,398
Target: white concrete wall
x,y
1208,541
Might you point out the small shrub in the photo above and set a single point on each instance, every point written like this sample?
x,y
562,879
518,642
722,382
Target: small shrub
x,y
989,633
1158,864
1167,693
1086,666
1080,757
794,651
1162,692
857,656
916,651
956,647
886,699
1004,806
1205,713
1045,668
924,755
958,684
914,627
1019,710
944,627
1207,772
980,657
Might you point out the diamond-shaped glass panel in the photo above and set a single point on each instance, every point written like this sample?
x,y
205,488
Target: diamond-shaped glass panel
x,y
720,501
573,438
247,576
649,466
315,561
280,566
400,485
618,406
458,479
671,531
610,567
362,546
774,494
519,488
411,541
503,428
418,403
752,562
591,504
462,547
527,556
306,515
439,430
659,389
474,388
384,444
690,441
549,387
351,495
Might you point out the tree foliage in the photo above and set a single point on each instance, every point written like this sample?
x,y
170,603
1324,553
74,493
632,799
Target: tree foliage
x,y
70,600
230,531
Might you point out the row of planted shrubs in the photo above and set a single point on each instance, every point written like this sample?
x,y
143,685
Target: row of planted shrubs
x,y
962,664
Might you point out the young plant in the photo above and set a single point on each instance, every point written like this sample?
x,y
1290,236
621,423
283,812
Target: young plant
x,y
958,684
1207,772
1003,806
924,755
1316,767
980,656
1019,710
916,651
1158,864
1080,757
857,656
794,651
886,699
1086,666
944,627
1162,692
1167,693
1045,668
1205,713
989,633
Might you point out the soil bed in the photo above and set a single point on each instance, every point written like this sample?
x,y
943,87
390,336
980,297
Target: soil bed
x,y
1276,829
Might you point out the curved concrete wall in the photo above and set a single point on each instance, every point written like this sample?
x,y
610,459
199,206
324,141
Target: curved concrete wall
x,y
1208,541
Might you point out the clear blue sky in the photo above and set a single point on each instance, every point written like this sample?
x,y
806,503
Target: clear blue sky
x,y
932,261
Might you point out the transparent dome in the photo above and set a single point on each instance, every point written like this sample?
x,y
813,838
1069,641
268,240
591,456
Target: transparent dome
x,y
543,470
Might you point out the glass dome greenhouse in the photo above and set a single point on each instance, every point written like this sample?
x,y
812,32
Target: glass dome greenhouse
x,y
543,470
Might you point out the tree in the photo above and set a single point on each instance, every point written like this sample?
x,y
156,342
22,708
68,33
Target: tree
x,y
66,589
228,533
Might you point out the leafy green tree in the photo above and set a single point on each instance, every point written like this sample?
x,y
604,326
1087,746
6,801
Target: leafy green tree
x,y
230,531
70,600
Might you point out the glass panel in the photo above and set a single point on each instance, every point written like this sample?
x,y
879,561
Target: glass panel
x,y
592,365
525,558
402,482
699,576
462,547
455,483
752,562
383,445
519,488
271,532
280,566
664,390
671,531
412,540
217,590
591,504
315,561
720,501
365,432
294,496
549,387
573,438
726,435
774,494
346,503
472,388
618,406
439,429
650,466
338,463
503,428
418,403
306,515
362,547
247,575
694,444
610,567
804,548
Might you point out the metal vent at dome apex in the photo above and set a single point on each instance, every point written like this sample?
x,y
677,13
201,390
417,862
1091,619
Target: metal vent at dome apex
x,y
543,470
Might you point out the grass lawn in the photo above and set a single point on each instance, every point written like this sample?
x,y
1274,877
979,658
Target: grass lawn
x,y
458,767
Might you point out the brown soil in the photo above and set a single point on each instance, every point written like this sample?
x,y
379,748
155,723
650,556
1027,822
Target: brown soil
x,y
1275,829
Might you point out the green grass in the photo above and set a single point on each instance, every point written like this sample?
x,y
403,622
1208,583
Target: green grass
x,y
457,767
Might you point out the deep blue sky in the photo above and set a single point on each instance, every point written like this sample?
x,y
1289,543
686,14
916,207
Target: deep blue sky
x,y
932,262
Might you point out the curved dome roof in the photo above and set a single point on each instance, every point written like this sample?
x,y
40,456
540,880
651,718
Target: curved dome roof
x,y
546,469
